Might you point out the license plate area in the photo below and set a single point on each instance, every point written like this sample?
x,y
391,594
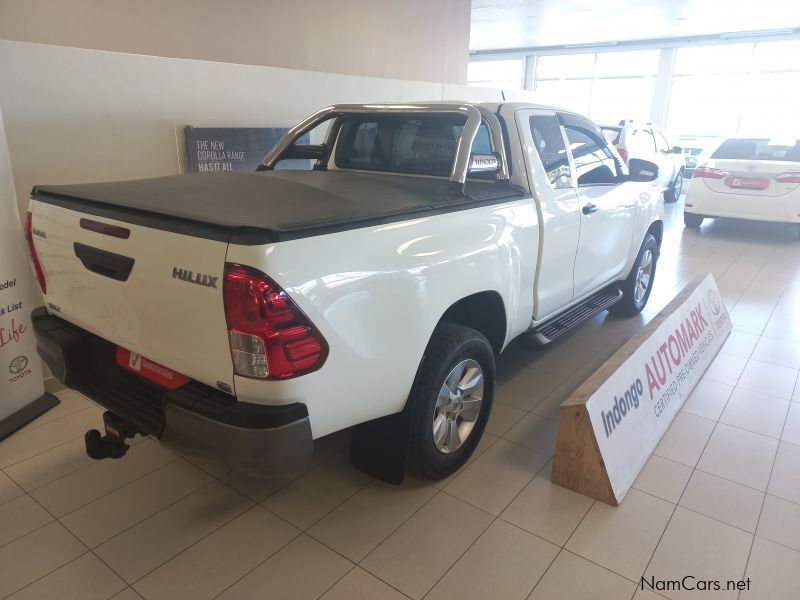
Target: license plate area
x,y
151,370
747,183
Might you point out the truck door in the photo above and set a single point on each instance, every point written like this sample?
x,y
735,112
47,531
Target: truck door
x,y
607,206
550,177
668,163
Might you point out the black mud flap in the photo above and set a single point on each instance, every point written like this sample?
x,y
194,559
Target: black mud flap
x,y
380,447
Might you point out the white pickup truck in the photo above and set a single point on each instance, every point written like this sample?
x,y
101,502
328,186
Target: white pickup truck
x,y
243,315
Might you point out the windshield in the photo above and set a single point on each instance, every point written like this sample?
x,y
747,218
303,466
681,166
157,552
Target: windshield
x,y
759,149
413,144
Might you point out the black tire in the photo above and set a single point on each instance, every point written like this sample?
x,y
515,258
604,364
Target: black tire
x,y
630,306
673,192
693,221
449,346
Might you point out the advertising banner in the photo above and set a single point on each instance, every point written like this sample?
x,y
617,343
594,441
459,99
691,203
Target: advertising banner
x,y
634,407
22,396
234,149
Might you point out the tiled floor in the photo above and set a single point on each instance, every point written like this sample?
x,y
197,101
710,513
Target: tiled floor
x,y
719,499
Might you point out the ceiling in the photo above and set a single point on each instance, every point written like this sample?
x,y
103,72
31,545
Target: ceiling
x,y
507,24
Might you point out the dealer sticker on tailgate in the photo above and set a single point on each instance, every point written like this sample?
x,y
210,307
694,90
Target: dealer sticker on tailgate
x,y
153,371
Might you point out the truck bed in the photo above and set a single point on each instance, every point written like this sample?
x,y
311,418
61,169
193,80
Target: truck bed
x,y
270,206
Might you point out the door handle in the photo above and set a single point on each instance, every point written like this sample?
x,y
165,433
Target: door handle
x,y
102,262
589,208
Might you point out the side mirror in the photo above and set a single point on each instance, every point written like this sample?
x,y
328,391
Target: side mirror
x,y
484,163
642,170
677,150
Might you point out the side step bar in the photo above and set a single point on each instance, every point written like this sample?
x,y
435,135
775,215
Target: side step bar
x,y
571,318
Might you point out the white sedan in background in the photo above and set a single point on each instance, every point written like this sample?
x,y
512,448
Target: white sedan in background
x,y
747,178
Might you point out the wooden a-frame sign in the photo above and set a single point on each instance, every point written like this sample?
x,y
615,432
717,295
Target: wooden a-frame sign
x,y
612,423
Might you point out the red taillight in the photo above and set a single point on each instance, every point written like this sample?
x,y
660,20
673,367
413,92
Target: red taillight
x,y
623,154
37,266
788,177
270,337
708,173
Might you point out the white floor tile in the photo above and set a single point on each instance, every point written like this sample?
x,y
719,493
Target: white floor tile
x,y
740,456
685,439
86,578
780,522
622,538
708,399
572,577
768,378
724,500
221,559
20,516
756,412
697,545
785,479
548,510
421,551
28,558
302,569
505,562
771,570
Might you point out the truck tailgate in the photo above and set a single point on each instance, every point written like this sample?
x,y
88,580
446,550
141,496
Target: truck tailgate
x,y
155,293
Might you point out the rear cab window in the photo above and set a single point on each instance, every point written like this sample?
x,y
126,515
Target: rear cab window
x,y
778,149
414,144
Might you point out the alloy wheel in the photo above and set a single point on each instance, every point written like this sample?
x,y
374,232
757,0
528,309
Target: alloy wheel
x,y
643,276
458,406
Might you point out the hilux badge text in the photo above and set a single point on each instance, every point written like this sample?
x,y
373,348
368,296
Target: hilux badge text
x,y
191,277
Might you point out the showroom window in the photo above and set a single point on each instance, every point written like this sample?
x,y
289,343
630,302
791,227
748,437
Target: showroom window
x,y
500,74
730,89
608,86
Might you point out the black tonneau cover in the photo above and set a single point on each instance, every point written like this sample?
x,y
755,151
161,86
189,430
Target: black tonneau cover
x,y
263,207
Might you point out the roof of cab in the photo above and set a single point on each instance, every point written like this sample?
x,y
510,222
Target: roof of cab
x,y
492,106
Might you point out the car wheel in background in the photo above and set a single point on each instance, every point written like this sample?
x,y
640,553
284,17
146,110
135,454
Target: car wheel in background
x,y
673,192
693,221
637,287
451,400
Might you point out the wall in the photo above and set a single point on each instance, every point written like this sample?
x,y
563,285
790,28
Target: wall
x,y
414,39
75,115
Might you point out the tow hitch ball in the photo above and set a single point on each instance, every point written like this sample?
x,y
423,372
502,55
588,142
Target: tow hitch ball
x,y
112,444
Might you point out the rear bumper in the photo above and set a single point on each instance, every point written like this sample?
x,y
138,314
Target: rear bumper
x,y
713,213
700,200
195,419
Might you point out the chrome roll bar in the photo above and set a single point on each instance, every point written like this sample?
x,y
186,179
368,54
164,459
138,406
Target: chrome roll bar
x,y
475,115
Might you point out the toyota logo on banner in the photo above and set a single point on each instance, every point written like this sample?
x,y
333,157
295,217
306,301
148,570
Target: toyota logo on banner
x,y
714,302
18,365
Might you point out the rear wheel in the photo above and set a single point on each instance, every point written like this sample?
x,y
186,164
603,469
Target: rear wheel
x,y
673,192
693,221
451,400
636,288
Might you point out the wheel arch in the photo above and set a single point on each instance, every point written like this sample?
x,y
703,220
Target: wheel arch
x,y
657,229
483,311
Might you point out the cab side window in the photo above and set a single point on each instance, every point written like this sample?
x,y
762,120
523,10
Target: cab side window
x,y
549,142
594,161
662,143
651,140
